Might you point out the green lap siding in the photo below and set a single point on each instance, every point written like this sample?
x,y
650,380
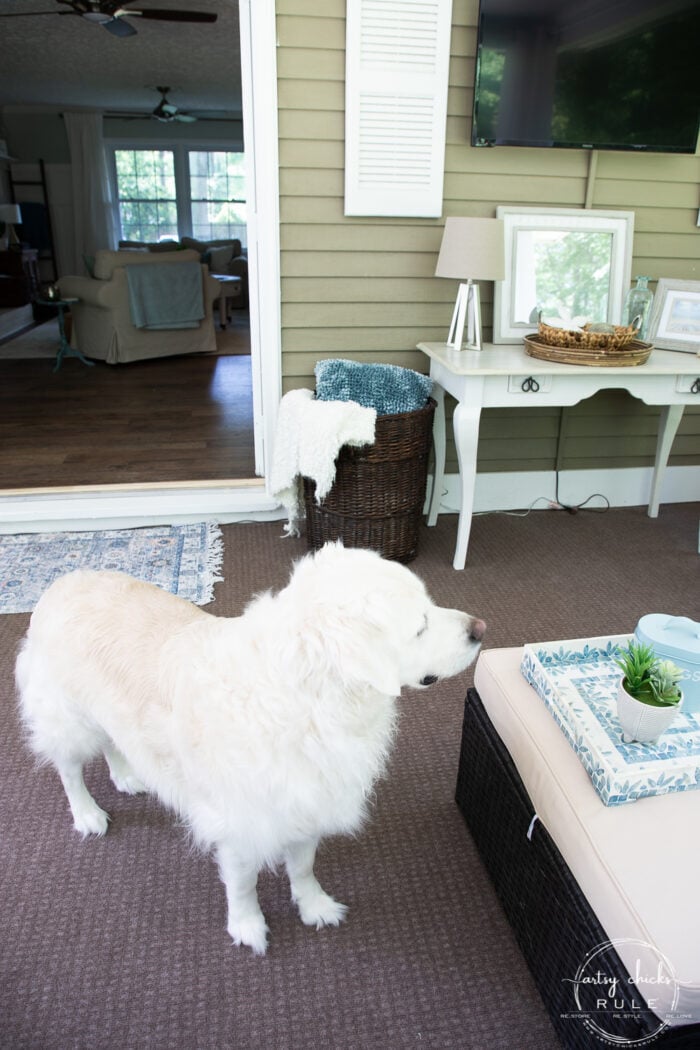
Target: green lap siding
x,y
364,287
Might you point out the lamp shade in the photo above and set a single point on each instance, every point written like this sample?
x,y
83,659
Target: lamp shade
x,y
472,248
10,213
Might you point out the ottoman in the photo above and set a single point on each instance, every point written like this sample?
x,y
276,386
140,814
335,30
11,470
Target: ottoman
x,y
603,900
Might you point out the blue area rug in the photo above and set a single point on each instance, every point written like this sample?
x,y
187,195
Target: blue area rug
x,y
182,559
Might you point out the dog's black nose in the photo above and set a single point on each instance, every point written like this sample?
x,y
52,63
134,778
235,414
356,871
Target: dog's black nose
x,y
477,629
430,679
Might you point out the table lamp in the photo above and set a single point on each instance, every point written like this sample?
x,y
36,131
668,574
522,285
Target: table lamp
x,y
471,249
10,214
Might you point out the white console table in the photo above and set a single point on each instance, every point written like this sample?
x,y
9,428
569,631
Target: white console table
x,y
505,376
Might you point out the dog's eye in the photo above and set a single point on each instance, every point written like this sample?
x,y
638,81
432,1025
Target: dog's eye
x,y
424,627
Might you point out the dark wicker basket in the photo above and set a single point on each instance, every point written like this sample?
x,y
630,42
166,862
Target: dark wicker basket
x,y
377,497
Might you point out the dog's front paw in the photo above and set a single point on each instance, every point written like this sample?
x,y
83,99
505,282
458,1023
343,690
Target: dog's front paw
x,y
251,931
129,784
90,820
320,909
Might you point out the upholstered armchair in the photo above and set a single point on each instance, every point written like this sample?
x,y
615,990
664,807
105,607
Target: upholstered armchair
x,y
102,322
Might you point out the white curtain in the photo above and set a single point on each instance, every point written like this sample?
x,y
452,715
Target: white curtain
x,y
93,212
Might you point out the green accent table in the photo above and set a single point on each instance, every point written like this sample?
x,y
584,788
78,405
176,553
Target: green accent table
x,y
64,347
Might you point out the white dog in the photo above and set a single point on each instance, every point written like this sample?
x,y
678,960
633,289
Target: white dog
x,y
264,732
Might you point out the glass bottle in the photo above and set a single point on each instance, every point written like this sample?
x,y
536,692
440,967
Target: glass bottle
x,y
638,305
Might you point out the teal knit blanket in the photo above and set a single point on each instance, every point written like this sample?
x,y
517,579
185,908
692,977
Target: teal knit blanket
x,y
165,295
387,388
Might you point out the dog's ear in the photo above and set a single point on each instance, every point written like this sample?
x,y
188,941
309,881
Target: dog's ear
x,y
345,620
341,647
366,658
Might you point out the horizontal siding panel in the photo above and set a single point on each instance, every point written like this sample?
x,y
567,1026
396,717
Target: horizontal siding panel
x,y
648,167
666,220
388,289
462,70
304,209
677,268
509,161
357,264
304,153
324,32
310,64
362,238
463,45
611,463
465,13
312,8
518,189
356,340
311,96
306,182
612,194
529,448
302,364
379,315
311,125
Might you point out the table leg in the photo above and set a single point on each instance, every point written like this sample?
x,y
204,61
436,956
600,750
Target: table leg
x,y
466,429
64,347
439,445
668,425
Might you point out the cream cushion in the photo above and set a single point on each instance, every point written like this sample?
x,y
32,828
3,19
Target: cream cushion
x,y
106,261
636,864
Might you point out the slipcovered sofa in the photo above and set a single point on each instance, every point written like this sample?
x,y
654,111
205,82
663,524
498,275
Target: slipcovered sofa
x,y
221,256
102,324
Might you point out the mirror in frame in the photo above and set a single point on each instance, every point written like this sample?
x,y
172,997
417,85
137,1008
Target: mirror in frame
x,y
569,264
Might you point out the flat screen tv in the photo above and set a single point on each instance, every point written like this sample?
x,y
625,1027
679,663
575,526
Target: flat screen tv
x,y
594,74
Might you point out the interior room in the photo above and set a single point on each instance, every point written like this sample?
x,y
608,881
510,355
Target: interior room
x,y
191,138
349,524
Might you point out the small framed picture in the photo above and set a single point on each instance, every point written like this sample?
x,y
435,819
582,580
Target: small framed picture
x,y
675,316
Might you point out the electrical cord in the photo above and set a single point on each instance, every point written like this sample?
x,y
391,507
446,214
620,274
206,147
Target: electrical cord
x,y
556,503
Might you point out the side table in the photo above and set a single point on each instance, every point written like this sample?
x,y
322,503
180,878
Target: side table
x,y
505,377
64,347
230,289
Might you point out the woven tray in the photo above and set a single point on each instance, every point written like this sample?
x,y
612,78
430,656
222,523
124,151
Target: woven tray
x,y
633,353
615,339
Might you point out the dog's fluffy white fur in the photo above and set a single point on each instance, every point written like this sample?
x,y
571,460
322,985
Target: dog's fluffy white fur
x,y
264,732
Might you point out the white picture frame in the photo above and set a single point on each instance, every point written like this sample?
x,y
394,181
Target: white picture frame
x,y
674,322
515,298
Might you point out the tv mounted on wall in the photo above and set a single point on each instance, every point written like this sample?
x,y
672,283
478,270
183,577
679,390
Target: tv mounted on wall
x,y
593,74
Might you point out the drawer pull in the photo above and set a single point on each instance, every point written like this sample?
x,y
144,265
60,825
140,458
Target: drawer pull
x,y
695,388
530,385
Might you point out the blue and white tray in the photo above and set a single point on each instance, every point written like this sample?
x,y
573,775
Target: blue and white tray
x,y
577,680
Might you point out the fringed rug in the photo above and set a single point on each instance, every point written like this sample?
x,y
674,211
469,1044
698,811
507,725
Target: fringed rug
x,y
183,559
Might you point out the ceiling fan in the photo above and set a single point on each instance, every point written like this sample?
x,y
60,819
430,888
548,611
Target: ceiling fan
x,y
168,113
112,15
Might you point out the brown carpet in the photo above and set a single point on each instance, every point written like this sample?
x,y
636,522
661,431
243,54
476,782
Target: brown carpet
x,y
119,944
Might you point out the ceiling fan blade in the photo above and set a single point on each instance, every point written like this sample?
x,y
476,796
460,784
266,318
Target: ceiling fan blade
x,y
119,27
163,15
33,14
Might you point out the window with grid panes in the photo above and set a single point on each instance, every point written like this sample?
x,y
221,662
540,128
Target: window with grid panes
x,y
146,194
209,196
217,195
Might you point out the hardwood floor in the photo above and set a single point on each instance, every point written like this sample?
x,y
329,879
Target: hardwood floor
x,y
172,419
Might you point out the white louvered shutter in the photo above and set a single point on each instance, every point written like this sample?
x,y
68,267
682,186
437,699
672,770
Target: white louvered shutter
x,y
396,71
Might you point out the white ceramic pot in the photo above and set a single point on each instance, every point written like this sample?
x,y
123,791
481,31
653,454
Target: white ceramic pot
x,y
641,721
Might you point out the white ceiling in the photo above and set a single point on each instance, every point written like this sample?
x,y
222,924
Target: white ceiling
x,y
67,61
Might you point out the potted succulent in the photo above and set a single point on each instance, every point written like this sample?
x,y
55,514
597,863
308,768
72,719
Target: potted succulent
x,y
648,695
